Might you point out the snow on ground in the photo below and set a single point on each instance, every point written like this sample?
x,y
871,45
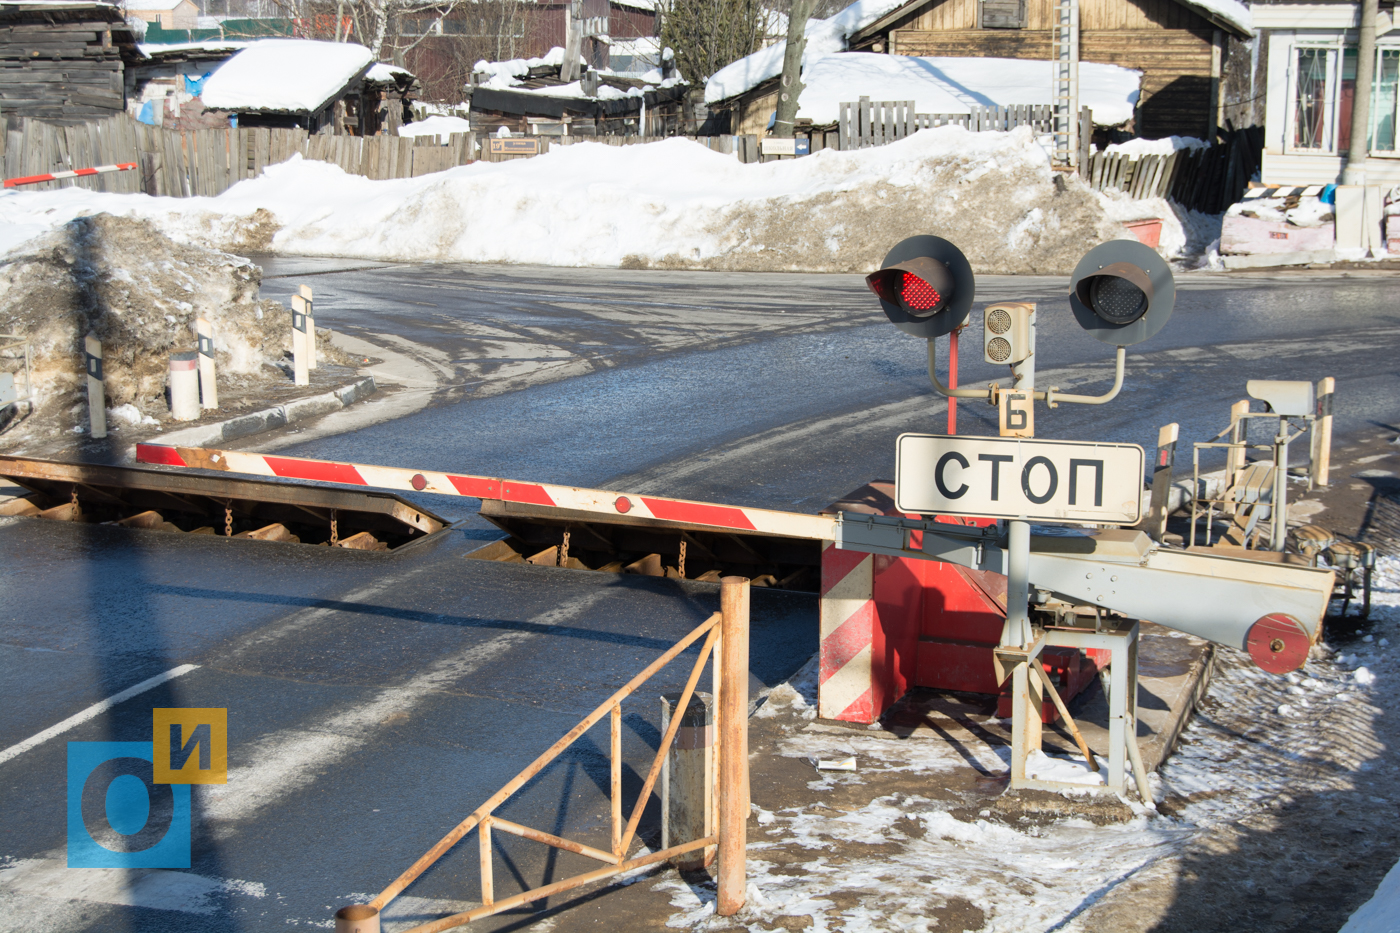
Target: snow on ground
x,y
671,204
436,125
955,85
284,74
1259,742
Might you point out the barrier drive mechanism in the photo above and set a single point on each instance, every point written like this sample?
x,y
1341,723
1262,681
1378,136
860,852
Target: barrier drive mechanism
x,y
1044,512
726,640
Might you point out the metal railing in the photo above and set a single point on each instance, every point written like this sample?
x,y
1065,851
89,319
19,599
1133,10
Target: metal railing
x,y
725,635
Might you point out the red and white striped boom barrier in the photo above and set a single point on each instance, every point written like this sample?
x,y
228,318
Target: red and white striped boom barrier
x,y
602,503
75,173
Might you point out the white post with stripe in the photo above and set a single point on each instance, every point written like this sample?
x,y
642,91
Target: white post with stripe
x,y
208,385
304,292
300,375
97,402
184,385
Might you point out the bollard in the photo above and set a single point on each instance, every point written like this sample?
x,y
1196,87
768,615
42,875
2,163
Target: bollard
x,y
734,745
687,779
208,387
184,385
1322,433
97,400
299,370
305,292
357,918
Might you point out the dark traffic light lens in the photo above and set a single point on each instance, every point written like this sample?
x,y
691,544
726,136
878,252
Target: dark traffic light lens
x,y
919,295
1116,300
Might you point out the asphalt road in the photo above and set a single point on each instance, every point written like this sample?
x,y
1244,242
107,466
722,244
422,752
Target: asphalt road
x,y
376,699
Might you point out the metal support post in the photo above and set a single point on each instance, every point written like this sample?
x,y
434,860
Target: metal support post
x,y
1278,511
1017,629
734,744
1120,685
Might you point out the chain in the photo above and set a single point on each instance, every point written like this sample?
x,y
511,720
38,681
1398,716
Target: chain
x,y
228,520
681,568
335,530
77,509
563,560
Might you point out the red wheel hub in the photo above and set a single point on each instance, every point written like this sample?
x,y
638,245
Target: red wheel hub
x,y
1278,643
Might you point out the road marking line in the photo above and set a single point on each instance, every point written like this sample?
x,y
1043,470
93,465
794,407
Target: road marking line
x,y
93,711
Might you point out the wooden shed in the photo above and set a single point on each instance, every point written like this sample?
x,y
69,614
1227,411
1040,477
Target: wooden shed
x,y
169,14
1179,46
62,62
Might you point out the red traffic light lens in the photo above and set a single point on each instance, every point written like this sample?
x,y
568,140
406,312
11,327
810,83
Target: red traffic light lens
x,y
918,294
920,287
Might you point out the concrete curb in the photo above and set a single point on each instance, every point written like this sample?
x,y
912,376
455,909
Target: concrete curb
x,y
1272,260
214,435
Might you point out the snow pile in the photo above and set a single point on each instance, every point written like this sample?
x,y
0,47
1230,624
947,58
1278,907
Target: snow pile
x,y
140,294
1381,914
1142,147
285,74
671,204
436,126
824,37
956,85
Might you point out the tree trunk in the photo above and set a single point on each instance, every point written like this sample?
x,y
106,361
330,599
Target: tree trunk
x,y
381,28
790,83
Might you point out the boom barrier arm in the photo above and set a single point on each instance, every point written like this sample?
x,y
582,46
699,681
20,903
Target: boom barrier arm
x,y
1220,599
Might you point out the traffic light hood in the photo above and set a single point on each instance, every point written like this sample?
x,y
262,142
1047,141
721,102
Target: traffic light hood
x,y
925,286
1122,292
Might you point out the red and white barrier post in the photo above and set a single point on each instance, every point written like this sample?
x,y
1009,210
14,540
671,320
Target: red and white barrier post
x,y
76,173
184,385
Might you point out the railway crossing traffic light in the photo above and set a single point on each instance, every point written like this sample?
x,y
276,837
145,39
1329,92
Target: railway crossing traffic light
x,y
925,286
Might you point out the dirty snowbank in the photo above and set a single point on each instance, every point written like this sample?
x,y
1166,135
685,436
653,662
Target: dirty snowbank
x,y
671,204
140,293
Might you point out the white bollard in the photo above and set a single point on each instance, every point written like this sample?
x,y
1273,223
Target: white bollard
x,y
208,385
184,385
299,369
305,292
97,402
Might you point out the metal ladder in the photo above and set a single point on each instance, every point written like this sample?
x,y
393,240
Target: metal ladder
x,y
1065,97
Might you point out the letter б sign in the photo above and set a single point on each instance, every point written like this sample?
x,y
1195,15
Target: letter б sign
x,y
1011,477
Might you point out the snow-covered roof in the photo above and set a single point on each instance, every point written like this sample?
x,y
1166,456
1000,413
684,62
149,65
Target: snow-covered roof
x,y
153,6
1231,12
509,76
648,5
209,45
285,74
383,73
506,75
956,85
824,36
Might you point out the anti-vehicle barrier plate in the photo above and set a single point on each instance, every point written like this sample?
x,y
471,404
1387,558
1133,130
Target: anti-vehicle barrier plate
x,y
146,498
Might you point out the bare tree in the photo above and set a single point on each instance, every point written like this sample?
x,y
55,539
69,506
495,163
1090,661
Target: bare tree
x,y
706,35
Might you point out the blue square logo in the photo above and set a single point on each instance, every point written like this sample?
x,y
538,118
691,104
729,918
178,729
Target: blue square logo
x,y
118,817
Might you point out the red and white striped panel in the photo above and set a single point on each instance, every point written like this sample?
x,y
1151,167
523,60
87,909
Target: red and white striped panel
x,y
848,620
600,502
75,173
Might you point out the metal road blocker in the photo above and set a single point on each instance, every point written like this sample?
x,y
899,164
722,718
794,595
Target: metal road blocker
x,y
1049,514
726,639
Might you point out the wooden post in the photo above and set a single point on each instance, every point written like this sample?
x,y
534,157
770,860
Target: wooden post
x,y
488,893
299,368
734,744
1322,432
1162,480
615,755
304,292
208,385
97,403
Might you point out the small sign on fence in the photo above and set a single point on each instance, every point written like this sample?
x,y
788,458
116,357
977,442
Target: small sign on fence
x,y
773,145
512,146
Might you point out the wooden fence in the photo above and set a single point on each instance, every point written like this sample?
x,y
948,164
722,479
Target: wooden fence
x,y
864,123
1209,179
206,163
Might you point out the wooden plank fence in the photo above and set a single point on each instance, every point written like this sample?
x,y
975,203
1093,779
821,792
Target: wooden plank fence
x,y
864,123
